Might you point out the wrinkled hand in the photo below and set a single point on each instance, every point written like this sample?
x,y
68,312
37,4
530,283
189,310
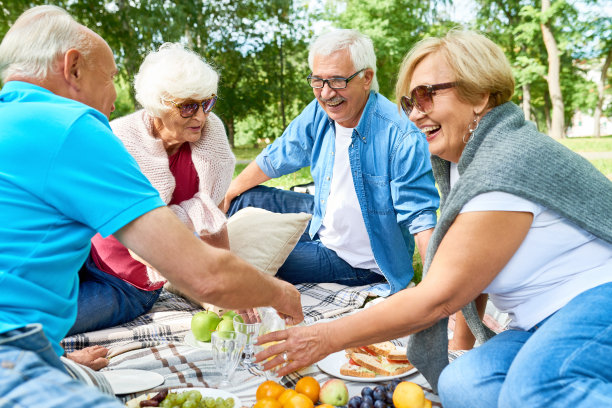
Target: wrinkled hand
x,y
93,357
303,346
289,305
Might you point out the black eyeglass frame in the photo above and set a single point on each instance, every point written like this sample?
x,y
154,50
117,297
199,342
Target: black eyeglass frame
x,y
346,80
180,106
409,102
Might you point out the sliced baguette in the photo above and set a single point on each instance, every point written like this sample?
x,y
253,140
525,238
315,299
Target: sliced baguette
x,y
380,366
353,370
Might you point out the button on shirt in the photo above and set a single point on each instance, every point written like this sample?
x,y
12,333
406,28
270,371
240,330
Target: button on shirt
x,y
391,174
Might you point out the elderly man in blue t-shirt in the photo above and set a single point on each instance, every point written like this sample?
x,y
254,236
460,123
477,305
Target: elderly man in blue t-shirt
x,y
375,194
63,177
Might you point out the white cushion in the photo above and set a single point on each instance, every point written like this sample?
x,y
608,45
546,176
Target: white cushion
x,y
263,238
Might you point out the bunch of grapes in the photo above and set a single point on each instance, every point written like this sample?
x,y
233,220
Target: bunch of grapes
x,y
379,397
187,399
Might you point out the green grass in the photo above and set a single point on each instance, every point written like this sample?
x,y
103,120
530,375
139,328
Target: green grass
x,y
588,144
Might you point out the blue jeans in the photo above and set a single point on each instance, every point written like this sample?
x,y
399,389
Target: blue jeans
x,y
310,261
566,361
107,301
32,375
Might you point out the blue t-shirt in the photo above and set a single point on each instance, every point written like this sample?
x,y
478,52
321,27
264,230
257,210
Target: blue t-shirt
x,y
63,177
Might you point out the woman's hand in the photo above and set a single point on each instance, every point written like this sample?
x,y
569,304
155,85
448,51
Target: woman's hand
x,y
302,346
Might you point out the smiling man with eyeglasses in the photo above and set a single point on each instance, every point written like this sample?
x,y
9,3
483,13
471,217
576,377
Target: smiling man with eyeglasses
x,y
374,195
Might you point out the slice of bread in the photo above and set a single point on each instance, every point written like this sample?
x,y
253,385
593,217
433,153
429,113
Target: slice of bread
x,y
388,349
353,370
380,365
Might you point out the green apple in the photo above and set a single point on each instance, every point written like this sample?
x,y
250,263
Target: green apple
x,y
225,325
334,392
203,324
229,314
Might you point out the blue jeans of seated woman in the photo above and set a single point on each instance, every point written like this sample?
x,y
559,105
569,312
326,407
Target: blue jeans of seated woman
x,y
107,301
32,375
564,362
310,261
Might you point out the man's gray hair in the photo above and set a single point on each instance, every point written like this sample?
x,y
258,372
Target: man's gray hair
x,y
360,48
31,47
173,73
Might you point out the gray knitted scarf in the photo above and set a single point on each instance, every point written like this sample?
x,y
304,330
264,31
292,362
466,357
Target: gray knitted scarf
x,y
508,154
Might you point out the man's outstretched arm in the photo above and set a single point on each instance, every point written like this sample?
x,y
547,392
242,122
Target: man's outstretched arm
x,y
203,272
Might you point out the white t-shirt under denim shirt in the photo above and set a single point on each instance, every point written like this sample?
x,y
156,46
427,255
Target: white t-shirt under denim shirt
x,y
343,229
555,262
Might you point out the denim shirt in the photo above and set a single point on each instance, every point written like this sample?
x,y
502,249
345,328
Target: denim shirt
x,y
391,171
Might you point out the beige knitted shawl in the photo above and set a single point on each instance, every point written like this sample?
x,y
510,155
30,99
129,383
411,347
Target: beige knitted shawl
x,y
211,155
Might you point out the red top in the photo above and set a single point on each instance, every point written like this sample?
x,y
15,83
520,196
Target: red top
x,y
112,257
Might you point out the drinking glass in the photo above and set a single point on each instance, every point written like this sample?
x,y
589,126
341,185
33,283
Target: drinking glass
x,y
270,322
250,325
227,349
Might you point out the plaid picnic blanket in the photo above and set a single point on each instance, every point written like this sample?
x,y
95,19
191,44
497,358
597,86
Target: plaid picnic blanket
x,y
170,318
183,366
155,342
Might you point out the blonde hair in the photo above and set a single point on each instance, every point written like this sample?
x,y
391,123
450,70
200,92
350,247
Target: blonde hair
x,y
40,35
479,66
359,46
173,72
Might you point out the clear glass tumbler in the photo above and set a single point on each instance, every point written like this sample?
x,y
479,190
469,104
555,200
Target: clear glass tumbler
x,y
250,325
227,347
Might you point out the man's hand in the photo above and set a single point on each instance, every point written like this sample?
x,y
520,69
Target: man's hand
x,y
93,357
289,305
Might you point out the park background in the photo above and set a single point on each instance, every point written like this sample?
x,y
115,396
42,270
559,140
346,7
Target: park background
x,y
560,52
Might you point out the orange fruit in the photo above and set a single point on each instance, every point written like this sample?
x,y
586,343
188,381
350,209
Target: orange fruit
x,y
408,395
267,403
427,403
325,406
298,401
269,389
286,395
309,387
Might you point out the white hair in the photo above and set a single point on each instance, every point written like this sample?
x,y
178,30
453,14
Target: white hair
x,y
173,72
360,47
32,46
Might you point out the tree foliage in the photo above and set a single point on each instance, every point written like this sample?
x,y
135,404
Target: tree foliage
x,y
260,47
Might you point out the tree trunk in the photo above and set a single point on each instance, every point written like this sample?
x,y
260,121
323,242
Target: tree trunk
x,y
527,101
282,83
230,131
600,93
547,111
557,129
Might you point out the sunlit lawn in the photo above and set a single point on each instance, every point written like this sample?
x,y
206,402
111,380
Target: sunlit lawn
x,y
603,144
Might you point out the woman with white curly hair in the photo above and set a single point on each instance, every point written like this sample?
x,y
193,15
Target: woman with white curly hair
x,y
182,148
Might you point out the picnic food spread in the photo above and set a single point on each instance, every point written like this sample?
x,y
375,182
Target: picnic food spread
x,y
186,399
333,393
384,359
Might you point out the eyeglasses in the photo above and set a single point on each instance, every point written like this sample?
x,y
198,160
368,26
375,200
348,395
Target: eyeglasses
x,y
421,97
333,83
187,110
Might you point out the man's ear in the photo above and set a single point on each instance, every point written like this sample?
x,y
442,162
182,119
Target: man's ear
x,y
368,76
72,70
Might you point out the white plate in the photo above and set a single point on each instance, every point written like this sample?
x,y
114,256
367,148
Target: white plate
x,y
190,340
206,392
332,363
131,381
